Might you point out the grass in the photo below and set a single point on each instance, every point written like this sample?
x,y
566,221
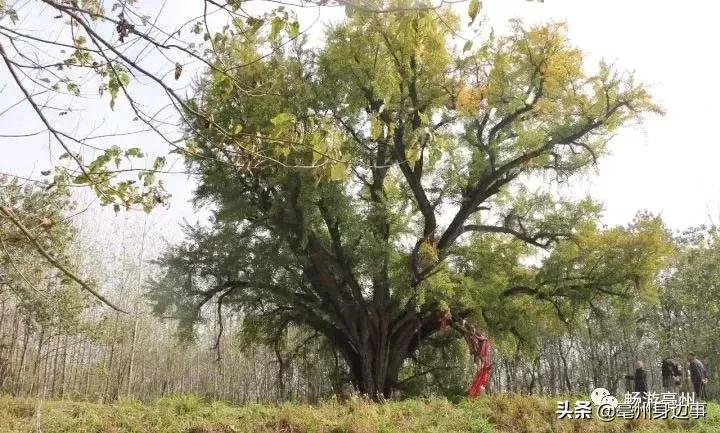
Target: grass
x,y
189,414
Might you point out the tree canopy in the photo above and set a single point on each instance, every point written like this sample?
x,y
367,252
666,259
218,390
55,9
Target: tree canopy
x,y
366,188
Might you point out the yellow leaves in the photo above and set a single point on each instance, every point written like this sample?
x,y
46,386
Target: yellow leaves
x,y
561,68
545,107
534,77
390,50
377,129
428,254
418,139
318,143
440,285
412,152
548,56
620,259
532,60
337,171
440,146
94,7
531,139
469,99
312,143
282,119
327,157
473,9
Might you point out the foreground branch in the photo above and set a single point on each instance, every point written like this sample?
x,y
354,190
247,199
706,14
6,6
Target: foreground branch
x,y
5,210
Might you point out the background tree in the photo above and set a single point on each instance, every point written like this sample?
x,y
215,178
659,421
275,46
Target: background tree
x,y
25,272
40,294
686,320
428,164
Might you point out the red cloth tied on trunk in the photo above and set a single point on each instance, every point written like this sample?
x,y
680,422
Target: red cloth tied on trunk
x,y
481,349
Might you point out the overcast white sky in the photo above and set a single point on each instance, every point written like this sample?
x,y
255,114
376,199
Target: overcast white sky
x,y
667,167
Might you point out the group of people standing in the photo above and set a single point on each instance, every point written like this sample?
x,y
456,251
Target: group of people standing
x,y
672,376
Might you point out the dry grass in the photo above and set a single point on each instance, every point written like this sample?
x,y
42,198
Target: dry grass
x,y
188,414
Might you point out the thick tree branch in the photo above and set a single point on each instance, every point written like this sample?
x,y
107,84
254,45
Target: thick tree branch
x,y
534,239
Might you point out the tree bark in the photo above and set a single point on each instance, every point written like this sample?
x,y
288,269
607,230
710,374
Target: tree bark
x,y
375,363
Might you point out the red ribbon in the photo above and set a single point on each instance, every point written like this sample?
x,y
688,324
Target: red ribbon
x,y
483,373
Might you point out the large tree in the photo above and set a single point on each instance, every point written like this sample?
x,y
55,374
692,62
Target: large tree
x,y
94,74
430,186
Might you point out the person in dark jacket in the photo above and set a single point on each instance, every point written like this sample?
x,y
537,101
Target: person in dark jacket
x,y
698,375
670,375
639,378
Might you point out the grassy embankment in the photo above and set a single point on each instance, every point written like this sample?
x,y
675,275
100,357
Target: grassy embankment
x,y
187,414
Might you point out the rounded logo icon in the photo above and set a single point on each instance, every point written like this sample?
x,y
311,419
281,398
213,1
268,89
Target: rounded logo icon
x,y
609,400
605,412
598,394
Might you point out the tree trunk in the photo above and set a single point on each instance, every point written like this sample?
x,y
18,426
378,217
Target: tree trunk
x,y
383,347
19,375
131,363
371,374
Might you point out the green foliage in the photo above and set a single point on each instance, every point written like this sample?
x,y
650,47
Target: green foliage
x,y
80,48
101,175
118,78
687,317
390,179
8,12
473,9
